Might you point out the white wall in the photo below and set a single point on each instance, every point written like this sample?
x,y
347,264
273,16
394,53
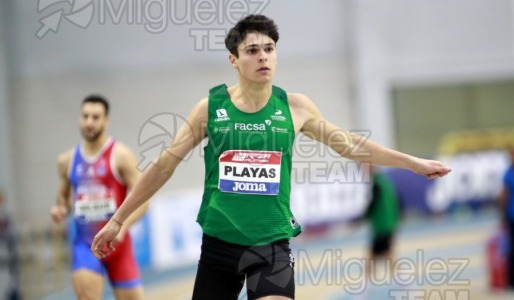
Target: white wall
x,y
6,174
124,45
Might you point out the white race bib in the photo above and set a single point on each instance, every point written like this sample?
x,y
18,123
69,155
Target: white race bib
x,y
95,210
249,172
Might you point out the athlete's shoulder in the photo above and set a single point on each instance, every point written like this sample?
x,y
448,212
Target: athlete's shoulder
x,y
279,92
203,103
200,110
125,160
121,149
124,156
63,160
304,110
65,157
296,96
220,89
299,100
219,93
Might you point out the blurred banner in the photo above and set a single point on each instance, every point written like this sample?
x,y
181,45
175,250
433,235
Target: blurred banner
x,y
174,234
140,233
478,159
454,143
476,178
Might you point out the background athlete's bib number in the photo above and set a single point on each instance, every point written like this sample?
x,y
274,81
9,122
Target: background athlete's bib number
x,y
95,210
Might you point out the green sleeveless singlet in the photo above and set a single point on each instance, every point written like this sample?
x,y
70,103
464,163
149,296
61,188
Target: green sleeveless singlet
x,y
248,159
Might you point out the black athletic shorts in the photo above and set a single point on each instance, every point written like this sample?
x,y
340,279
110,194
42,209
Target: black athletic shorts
x,y
223,268
381,243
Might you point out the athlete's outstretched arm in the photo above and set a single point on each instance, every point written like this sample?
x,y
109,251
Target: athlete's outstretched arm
x,y
154,177
354,146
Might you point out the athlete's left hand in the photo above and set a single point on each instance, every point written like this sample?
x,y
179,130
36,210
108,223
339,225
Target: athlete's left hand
x,y
104,241
431,168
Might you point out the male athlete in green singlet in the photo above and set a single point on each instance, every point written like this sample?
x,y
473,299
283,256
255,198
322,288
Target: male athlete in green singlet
x,y
383,214
245,214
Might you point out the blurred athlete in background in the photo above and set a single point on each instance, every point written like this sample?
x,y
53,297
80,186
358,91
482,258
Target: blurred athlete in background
x,y
94,178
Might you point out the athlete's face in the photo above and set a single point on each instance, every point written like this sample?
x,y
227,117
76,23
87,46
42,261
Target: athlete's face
x,y
93,121
257,58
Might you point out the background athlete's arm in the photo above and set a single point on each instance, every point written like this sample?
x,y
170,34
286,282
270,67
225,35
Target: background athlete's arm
x,y
64,203
126,164
154,177
353,146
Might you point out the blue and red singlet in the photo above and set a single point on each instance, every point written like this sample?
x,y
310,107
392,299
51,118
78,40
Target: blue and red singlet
x,y
98,191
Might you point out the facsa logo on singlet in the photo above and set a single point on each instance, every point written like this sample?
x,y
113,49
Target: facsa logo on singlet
x,y
250,126
221,115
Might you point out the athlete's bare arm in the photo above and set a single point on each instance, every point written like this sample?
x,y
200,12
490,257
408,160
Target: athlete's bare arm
x,y
64,202
154,177
126,164
309,120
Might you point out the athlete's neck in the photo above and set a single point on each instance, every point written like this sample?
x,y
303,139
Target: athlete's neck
x,y
93,147
250,97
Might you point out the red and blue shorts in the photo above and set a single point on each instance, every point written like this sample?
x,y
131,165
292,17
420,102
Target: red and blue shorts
x,y
120,266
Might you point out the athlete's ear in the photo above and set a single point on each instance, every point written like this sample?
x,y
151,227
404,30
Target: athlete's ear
x,y
106,120
233,60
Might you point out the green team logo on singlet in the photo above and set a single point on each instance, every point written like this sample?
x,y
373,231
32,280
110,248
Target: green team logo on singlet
x,y
248,161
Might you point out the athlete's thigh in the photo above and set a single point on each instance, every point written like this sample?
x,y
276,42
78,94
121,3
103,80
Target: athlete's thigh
x,y
212,283
83,258
122,268
135,293
87,272
270,272
87,284
218,275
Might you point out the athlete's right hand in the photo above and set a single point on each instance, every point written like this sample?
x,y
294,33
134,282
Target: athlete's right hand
x,y
58,213
103,244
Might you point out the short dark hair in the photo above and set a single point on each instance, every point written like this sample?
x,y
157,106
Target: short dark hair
x,y
97,99
249,24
